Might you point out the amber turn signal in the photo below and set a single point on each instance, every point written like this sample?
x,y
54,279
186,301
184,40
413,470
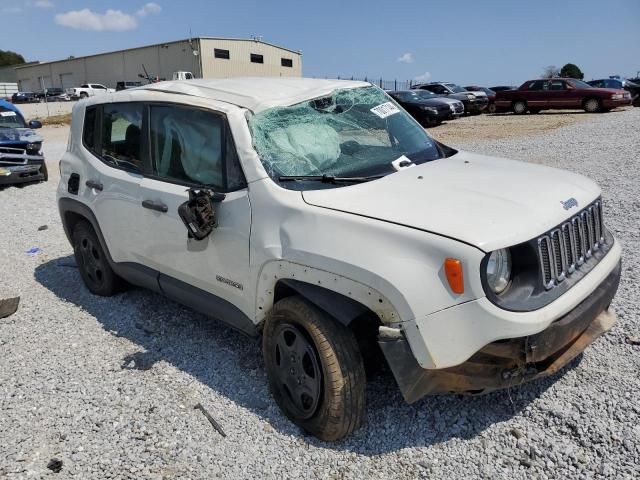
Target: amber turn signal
x,y
453,271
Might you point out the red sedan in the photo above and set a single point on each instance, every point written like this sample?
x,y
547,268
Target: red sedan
x,y
560,93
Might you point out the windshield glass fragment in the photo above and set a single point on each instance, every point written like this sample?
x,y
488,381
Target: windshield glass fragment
x,y
351,132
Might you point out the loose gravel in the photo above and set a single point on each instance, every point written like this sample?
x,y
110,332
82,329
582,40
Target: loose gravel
x,y
95,387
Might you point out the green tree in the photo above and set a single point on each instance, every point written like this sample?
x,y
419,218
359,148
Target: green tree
x,y
571,70
7,57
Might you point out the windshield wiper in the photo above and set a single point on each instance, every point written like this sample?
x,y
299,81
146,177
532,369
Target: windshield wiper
x,y
327,178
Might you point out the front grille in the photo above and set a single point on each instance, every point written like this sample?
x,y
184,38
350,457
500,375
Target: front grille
x,y
567,247
12,151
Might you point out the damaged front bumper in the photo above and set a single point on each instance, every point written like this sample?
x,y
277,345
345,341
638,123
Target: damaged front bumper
x,y
507,363
30,171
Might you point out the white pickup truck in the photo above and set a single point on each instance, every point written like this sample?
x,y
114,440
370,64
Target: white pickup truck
x,y
88,90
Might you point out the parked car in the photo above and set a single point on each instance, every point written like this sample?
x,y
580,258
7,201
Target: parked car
x,y
491,96
474,102
427,108
127,85
560,93
53,94
21,158
620,84
24,97
470,273
502,88
88,90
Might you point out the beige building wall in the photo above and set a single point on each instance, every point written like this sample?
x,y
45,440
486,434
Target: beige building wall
x,y
162,60
239,63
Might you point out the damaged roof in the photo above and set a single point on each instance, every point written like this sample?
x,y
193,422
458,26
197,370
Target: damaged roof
x,y
255,93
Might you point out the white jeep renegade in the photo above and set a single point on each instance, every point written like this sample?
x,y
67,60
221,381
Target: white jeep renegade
x,y
319,214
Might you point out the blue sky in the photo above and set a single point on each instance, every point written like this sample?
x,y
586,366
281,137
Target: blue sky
x,y
487,43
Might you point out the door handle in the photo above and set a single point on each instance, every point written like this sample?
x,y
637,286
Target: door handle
x,y
157,206
93,184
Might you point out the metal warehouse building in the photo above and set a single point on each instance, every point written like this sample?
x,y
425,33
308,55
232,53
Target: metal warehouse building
x,y
205,57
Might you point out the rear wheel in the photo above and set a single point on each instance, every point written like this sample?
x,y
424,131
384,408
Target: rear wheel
x,y
519,107
592,105
491,108
83,95
315,369
92,262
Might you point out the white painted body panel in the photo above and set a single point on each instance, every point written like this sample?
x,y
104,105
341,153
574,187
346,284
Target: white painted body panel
x,y
382,243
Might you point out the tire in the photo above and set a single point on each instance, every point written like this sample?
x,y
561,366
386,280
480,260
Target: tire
x,y
491,108
592,105
519,107
83,95
45,172
92,262
323,355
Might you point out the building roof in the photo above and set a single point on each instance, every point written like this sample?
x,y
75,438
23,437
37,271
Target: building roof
x,y
256,93
82,57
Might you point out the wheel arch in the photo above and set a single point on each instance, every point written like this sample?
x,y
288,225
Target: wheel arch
x,y
344,299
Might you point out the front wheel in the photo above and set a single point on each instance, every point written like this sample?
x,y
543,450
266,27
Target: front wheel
x,y
519,107
44,172
83,95
592,105
491,108
315,369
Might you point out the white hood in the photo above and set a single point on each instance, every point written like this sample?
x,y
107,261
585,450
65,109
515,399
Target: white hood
x,y
487,202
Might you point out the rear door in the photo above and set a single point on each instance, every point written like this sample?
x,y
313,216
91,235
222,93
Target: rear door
x,y
112,135
193,147
536,94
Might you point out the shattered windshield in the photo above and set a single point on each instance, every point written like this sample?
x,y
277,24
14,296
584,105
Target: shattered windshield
x,y
351,132
10,119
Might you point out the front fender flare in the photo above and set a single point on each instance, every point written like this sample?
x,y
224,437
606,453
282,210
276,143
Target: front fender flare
x,y
343,298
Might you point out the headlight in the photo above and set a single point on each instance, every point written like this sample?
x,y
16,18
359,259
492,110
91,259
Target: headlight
x,y
472,98
430,109
616,96
34,147
499,270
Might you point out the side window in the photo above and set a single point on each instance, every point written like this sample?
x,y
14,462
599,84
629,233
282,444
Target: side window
x,y
557,85
89,129
188,145
121,132
537,85
439,89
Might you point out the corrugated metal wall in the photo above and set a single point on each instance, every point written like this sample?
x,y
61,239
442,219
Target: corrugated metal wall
x,y
239,63
161,61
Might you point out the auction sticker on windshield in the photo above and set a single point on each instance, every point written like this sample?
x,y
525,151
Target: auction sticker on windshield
x,y
8,114
385,110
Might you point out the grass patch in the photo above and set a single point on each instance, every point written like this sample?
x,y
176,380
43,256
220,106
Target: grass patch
x,y
64,119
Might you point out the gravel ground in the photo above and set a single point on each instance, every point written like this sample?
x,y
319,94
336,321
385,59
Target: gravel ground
x,y
108,385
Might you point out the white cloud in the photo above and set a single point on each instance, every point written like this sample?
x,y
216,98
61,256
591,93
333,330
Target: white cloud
x,y
44,4
85,19
149,9
406,58
423,78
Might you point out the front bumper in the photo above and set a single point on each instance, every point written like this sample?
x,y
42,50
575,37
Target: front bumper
x,y
608,103
11,174
510,362
476,107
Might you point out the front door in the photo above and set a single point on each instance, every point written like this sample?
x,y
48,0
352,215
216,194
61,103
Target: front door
x,y
560,95
192,147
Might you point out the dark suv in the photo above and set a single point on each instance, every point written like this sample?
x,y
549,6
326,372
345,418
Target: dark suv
x,y
474,102
21,159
